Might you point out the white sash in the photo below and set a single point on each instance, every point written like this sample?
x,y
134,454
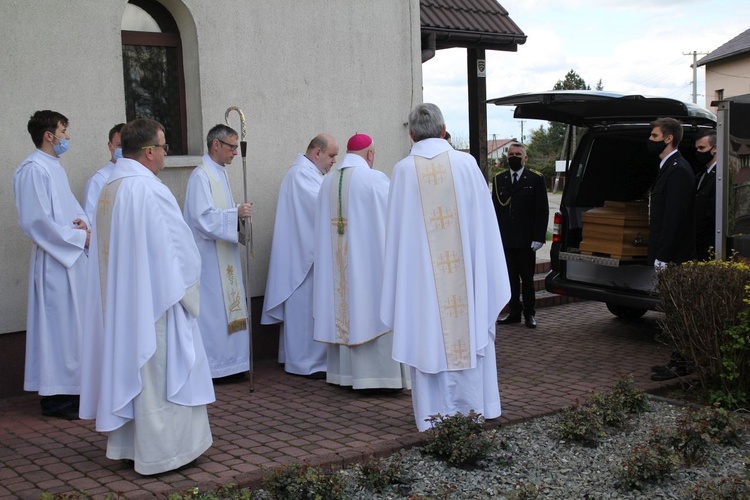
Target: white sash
x,y
441,218
230,284
339,200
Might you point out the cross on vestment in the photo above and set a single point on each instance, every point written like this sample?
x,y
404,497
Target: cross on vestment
x,y
455,306
448,264
434,175
441,217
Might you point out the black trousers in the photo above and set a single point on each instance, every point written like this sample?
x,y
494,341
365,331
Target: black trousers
x,y
521,262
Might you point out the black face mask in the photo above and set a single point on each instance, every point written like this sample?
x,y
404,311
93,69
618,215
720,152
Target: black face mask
x,y
515,163
703,157
655,147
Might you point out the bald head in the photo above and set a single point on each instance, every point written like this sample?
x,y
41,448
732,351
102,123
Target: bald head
x,y
322,151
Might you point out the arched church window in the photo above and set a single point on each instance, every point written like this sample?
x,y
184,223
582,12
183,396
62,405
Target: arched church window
x,y
153,70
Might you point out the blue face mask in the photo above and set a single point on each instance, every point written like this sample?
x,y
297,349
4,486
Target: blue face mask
x,y
62,147
118,154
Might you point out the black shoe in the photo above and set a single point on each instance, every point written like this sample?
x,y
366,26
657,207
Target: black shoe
x,y
230,379
670,373
63,406
509,319
316,376
661,368
530,321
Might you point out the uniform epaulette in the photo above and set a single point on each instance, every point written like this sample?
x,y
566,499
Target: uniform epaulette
x,y
537,172
501,170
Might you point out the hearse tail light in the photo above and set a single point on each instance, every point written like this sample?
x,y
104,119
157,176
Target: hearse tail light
x,y
556,228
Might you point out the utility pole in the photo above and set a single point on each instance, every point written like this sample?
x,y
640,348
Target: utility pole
x,y
695,72
522,138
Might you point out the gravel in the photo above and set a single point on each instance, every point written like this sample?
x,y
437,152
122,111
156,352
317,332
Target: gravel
x,y
537,463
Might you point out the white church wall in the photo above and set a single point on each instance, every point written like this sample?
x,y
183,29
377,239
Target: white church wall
x,y
294,67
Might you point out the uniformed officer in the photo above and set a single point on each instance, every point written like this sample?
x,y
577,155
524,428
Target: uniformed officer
x,y
522,209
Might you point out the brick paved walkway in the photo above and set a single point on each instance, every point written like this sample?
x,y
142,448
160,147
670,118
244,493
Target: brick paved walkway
x,y
577,348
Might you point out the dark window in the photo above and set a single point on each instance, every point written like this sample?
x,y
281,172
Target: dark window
x,y
152,70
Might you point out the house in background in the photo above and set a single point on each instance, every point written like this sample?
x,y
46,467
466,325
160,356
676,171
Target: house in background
x,y
497,148
728,69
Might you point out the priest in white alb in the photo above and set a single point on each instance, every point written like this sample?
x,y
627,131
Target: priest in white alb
x,y
96,182
145,373
215,221
289,289
445,278
54,221
349,246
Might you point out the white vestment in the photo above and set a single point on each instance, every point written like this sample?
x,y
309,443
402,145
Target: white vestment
x,y
289,287
145,373
57,275
227,353
410,296
94,187
348,278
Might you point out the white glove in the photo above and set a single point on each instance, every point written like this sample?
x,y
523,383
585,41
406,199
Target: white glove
x,y
659,265
536,245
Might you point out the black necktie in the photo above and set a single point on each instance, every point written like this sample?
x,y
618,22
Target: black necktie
x,y
515,177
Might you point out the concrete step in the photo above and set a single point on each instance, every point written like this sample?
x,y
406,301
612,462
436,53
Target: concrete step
x,y
543,297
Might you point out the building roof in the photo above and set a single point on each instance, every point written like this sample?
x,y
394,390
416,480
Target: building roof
x,y
734,47
495,144
470,24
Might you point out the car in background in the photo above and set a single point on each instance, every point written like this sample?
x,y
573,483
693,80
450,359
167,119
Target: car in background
x,y
608,162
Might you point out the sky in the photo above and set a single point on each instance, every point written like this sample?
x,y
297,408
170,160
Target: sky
x,y
633,46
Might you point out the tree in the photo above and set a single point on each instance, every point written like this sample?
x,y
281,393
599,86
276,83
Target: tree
x,y
572,81
546,145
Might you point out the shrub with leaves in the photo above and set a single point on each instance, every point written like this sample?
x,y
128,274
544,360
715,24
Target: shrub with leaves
x,y
706,318
582,423
302,482
377,474
228,491
715,423
628,398
649,463
732,487
459,439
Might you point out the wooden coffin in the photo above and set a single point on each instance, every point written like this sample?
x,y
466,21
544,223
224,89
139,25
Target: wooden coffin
x,y
618,229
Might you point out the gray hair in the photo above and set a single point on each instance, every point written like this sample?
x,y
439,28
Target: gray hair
x,y
517,145
426,122
219,132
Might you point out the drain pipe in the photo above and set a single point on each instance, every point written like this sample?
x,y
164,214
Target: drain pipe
x,y
428,48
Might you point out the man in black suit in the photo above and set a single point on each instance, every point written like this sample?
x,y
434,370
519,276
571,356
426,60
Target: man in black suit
x,y
705,194
522,209
672,225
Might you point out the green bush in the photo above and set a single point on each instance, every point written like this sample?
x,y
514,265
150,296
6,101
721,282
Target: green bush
x,y
732,487
377,474
649,463
582,423
585,422
459,438
707,319
302,482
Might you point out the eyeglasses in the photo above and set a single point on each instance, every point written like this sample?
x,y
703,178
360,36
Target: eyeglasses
x,y
165,147
232,147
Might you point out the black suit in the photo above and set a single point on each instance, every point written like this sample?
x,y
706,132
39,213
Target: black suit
x,y
672,226
705,214
522,212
